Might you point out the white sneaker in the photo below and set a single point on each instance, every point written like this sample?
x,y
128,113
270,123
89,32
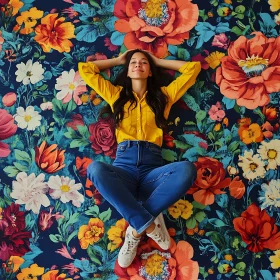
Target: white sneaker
x,y
129,249
160,234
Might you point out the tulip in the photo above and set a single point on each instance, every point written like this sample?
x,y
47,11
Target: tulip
x,y
9,99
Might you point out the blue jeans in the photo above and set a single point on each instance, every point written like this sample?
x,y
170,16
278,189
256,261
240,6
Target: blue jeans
x,y
138,185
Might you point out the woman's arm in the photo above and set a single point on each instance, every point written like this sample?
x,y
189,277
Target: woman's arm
x,y
167,64
108,63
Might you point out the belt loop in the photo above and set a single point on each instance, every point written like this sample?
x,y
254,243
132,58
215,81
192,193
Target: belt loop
x,y
128,143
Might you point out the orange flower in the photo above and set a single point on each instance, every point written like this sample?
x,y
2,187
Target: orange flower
x,y
251,70
150,262
250,134
153,24
29,19
49,158
91,233
53,275
270,113
82,165
53,33
210,180
244,122
14,263
236,188
16,6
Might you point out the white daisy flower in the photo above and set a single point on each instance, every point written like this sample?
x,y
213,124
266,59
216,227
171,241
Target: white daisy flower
x,y
271,194
29,73
252,165
29,118
31,191
270,151
65,189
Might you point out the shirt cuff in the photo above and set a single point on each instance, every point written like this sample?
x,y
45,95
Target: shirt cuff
x,y
189,65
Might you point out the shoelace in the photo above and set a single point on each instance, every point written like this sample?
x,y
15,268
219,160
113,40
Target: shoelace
x,y
130,245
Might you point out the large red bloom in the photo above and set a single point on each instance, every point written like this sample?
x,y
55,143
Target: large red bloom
x,y
257,229
153,24
251,71
210,180
13,240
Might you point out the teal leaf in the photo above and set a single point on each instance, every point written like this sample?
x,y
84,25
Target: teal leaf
x,y
11,171
93,211
30,256
191,223
117,38
89,33
106,215
217,222
229,102
22,155
191,103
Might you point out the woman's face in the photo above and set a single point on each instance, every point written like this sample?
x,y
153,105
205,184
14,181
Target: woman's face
x,y
139,67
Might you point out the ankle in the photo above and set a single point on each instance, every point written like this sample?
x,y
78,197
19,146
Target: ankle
x,y
150,228
135,234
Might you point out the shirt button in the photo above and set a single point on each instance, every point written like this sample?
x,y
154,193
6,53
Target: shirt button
x,y
139,130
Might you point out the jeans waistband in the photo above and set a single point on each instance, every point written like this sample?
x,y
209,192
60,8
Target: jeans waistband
x,y
146,144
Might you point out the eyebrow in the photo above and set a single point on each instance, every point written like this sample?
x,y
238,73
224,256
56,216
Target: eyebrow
x,y
141,58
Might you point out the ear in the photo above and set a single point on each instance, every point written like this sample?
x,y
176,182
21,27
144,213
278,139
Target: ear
x,y
150,74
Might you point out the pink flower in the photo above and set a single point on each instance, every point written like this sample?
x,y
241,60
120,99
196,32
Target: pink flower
x,y
103,137
109,44
99,56
46,106
203,145
46,219
71,12
70,85
64,252
216,113
7,129
9,99
221,41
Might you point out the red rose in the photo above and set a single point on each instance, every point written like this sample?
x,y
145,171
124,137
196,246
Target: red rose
x,y
103,137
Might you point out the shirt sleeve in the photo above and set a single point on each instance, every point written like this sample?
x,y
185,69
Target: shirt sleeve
x,y
91,75
176,89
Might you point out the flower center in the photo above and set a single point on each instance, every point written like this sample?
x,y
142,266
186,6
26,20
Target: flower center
x,y
154,12
71,86
27,118
156,266
253,166
253,66
95,231
30,276
28,73
65,188
272,154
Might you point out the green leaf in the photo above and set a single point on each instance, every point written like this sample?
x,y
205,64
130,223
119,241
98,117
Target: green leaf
x,y
42,88
71,236
83,131
55,238
240,9
236,30
169,155
94,4
183,54
217,239
217,222
106,215
92,255
20,167
29,221
240,273
233,146
11,171
200,216
200,115
191,223
93,211
240,266
181,145
22,155
71,133
190,123
191,103
198,205
78,143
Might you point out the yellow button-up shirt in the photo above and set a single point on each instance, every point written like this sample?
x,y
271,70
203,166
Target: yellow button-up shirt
x,y
139,123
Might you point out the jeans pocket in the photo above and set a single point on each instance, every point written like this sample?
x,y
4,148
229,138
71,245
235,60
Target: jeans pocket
x,y
155,150
121,149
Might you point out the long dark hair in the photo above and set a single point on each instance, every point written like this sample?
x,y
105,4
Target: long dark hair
x,y
155,98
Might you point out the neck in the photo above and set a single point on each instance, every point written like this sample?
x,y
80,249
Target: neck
x,y
139,87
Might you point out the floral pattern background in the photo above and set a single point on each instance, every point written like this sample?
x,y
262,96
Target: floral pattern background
x,y
53,222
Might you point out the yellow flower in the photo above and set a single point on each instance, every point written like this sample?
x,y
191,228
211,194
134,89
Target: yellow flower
x,y
181,208
17,5
30,272
228,258
91,233
29,19
214,59
15,262
53,275
275,260
116,234
274,5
